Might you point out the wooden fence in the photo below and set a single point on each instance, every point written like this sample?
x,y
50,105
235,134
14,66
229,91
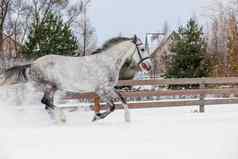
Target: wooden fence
x,y
205,87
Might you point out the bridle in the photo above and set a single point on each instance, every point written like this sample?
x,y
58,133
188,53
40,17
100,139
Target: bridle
x,y
139,51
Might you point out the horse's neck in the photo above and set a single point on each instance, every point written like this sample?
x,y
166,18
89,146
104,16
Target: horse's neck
x,y
120,53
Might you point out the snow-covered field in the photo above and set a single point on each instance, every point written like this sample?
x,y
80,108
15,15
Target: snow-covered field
x,y
26,132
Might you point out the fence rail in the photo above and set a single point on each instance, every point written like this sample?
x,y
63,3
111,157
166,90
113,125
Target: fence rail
x,y
207,86
182,81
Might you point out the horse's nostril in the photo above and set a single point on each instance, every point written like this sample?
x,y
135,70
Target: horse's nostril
x,y
142,49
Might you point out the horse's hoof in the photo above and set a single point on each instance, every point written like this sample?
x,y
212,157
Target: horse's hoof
x,y
127,116
96,118
57,115
63,120
60,115
99,116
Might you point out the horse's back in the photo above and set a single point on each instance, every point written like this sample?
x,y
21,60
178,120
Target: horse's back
x,y
72,73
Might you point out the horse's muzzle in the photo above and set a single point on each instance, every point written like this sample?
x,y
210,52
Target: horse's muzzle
x,y
144,64
146,67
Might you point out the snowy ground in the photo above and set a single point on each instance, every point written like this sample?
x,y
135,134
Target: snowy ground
x,y
28,133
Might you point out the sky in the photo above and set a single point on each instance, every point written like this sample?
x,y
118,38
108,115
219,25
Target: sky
x,y
127,17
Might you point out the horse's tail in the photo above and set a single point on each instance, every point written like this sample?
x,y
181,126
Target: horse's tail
x,y
14,75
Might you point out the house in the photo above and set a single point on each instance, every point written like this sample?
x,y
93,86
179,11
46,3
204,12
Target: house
x,y
10,47
161,56
10,54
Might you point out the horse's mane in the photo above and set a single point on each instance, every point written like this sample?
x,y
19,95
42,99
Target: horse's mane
x,y
109,43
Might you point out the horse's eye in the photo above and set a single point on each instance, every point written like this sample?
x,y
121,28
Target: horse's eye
x,y
142,49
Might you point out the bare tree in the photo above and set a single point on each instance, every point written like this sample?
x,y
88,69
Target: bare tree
x,y
87,35
217,39
222,39
4,8
233,44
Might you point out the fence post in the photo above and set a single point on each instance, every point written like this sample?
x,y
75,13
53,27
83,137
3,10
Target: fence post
x,y
202,97
97,106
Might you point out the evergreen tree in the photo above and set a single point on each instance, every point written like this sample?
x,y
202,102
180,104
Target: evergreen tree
x,y
51,37
189,48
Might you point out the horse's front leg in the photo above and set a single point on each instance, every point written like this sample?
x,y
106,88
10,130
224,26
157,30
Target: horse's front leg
x,y
127,115
109,96
98,114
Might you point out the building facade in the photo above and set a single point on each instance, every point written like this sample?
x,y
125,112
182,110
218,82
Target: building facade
x,y
10,47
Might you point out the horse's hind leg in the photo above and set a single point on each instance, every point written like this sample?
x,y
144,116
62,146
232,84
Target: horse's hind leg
x,y
48,100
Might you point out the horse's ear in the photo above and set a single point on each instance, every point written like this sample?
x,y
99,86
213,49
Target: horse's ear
x,y
135,39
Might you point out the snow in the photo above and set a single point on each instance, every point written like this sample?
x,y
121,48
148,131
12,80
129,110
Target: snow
x,y
27,132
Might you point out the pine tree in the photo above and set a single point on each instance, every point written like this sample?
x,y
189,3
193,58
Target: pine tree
x,y
51,37
189,48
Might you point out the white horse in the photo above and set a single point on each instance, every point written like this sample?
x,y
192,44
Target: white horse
x,y
97,73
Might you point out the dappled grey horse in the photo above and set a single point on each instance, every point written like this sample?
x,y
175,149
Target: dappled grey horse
x,y
97,73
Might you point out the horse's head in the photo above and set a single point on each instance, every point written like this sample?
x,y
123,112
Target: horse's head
x,y
143,58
